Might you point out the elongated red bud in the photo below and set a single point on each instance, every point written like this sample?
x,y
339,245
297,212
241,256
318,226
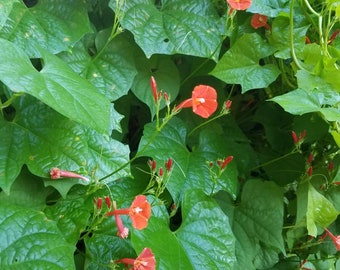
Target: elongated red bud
x,y
226,161
333,36
108,201
161,172
310,158
98,202
168,164
153,85
310,171
295,137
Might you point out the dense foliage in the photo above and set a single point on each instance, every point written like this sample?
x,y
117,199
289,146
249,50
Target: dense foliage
x,y
169,134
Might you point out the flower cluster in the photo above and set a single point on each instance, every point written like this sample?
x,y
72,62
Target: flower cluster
x,y
217,171
298,139
159,177
139,213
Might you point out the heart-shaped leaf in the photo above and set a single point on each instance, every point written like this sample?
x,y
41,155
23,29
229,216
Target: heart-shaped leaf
x,y
29,240
185,27
241,64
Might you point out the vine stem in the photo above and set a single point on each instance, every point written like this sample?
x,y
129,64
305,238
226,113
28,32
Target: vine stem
x,y
205,123
274,160
140,153
291,35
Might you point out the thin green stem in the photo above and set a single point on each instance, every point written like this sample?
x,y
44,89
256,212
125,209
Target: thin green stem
x,y
274,160
140,153
291,35
205,123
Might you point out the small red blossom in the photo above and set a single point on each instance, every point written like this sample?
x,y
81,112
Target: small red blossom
x,y
108,201
258,21
145,261
310,158
310,171
299,139
153,85
203,101
153,165
123,232
330,166
56,173
226,161
227,105
168,164
335,239
307,40
239,4
333,36
295,137
161,172
98,202
139,212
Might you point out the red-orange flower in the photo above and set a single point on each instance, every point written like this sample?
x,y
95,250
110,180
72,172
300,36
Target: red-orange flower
x,y
145,261
139,212
203,101
239,4
259,20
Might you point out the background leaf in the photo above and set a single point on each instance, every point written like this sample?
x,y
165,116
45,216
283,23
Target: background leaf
x,y
320,211
241,64
111,70
185,27
43,139
256,223
56,85
48,24
30,240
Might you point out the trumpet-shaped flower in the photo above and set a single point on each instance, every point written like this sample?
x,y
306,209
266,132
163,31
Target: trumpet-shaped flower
x,y
145,261
239,4
258,21
203,101
139,212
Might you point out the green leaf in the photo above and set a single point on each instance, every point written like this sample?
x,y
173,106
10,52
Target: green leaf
x,y
190,170
280,36
181,27
203,241
257,221
5,9
313,95
111,70
241,64
56,85
71,216
27,191
167,77
43,139
103,247
271,8
29,240
320,211
50,25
